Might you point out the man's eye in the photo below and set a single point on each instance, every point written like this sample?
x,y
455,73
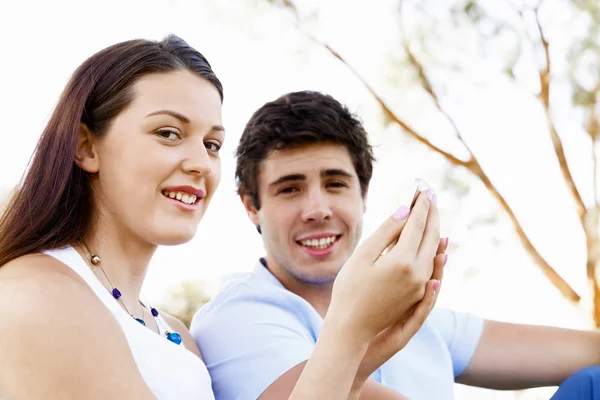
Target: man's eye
x,y
288,190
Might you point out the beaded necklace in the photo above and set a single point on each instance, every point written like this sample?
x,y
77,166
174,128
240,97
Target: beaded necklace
x,y
95,261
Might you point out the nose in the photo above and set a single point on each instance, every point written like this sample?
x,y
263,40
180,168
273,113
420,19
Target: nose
x,y
197,161
317,207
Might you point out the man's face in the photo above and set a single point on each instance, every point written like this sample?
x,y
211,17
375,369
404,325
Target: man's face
x,y
311,212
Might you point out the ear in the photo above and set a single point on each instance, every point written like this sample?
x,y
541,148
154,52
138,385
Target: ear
x,y
86,156
250,209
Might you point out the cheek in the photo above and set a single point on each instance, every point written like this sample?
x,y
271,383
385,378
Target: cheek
x,y
212,181
351,215
277,219
132,177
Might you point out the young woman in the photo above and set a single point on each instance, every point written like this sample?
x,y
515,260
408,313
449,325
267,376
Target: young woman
x,y
128,161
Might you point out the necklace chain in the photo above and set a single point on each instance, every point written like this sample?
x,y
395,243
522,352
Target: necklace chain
x,y
95,261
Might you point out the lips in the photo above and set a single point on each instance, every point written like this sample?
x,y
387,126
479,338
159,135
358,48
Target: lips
x,y
190,190
320,241
319,246
184,195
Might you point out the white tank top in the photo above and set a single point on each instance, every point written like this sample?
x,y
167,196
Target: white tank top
x,y
171,371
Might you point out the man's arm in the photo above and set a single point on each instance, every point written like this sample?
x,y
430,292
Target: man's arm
x,y
512,356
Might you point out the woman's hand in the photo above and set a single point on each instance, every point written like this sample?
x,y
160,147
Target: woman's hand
x,y
374,291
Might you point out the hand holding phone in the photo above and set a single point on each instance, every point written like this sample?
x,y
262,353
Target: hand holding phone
x,y
418,186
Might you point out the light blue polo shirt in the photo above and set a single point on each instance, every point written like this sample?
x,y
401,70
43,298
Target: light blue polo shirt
x,y
254,330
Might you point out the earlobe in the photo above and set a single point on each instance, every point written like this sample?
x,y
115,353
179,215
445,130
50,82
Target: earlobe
x,y
250,209
86,156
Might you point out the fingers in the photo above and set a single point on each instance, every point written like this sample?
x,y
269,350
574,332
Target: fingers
x,y
442,246
422,309
429,244
384,236
439,262
412,234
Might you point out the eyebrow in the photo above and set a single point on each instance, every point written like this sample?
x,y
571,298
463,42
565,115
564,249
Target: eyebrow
x,y
182,118
335,172
302,177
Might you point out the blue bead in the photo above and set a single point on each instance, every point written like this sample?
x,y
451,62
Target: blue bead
x,y
116,294
174,337
154,312
141,321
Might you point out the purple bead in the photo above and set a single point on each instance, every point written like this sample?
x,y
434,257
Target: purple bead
x,y
116,294
154,312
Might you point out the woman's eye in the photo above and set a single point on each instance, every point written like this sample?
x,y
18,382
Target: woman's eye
x,y
212,146
168,134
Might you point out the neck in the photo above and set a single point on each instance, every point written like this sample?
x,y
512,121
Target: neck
x,y
124,259
317,294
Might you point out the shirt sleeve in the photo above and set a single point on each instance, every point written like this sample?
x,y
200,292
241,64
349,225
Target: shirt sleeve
x,y
461,332
250,337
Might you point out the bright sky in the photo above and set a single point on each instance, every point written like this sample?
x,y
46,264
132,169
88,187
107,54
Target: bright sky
x,y
259,56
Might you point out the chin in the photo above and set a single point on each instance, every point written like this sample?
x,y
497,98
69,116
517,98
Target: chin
x,y
318,277
174,237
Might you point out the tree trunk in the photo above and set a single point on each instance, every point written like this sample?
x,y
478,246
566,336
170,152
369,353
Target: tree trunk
x,y
590,226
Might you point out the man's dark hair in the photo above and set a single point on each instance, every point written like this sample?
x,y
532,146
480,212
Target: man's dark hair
x,y
296,119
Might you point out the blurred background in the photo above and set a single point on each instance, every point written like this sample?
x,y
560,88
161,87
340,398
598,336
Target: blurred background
x,y
492,102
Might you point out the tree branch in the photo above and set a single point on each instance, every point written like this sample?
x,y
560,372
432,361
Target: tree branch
x,y
391,115
592,129
563,287
544,96
472,164
429,89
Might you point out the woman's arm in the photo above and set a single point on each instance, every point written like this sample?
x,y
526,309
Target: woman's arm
x,y
371,293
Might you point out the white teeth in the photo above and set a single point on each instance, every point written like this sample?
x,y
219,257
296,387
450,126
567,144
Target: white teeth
x,y
318,243
182,196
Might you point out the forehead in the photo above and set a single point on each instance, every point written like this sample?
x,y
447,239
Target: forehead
x,y
306,159
181,91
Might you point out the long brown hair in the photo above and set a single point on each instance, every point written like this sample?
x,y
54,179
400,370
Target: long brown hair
x,y
52,205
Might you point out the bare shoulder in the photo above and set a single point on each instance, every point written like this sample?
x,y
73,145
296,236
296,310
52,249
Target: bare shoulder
x,y
38,282
62,336
36,267
180,327
39,291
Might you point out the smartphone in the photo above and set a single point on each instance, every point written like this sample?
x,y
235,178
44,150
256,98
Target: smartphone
x,y
418,186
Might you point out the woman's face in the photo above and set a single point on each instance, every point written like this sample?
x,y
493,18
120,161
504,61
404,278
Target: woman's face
x,y
158,164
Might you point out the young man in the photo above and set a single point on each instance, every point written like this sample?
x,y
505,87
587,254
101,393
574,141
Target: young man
x,y
303,171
